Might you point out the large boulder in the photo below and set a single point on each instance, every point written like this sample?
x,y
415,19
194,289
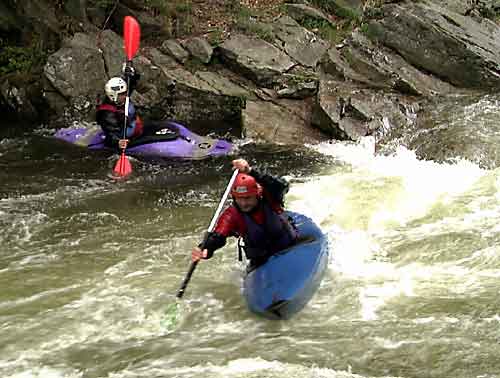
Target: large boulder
x,y
174,49
282,122
76,71
299,43
255,58
187,96
199,48
455,48
350,112
363,61
20,94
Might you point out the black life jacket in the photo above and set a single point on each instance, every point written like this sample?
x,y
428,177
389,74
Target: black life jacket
x,y
275,234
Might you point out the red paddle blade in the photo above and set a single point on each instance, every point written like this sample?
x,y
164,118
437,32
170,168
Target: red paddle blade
x,y
123,167
131,36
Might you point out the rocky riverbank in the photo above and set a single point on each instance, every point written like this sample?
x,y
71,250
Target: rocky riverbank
x,y
290,73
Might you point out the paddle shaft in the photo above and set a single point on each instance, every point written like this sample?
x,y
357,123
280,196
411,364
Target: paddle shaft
x,y
127,103
131,37
123,167
211,227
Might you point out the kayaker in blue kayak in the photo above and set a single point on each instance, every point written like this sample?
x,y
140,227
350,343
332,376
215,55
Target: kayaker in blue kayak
x,y
256,215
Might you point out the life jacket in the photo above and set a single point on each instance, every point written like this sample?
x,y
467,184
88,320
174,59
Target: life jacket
x,y
135,126
275,234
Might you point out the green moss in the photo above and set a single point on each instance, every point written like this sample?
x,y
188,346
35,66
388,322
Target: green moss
x,y
323,28
184,7
216,60
247,22
160,6
314,23
237,102
341,11
349,58
193,64
20,59
215,37
371,30
489,13
298,80
326,5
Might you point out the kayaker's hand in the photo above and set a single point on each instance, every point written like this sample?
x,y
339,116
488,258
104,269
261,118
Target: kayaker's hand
x,y
122,143
197,254
128,69
241,165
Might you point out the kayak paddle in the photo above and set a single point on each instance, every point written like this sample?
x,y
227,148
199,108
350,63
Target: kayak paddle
x,y
192,267
131,38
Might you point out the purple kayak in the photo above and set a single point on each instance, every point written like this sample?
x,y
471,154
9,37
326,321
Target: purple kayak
x,y
170,140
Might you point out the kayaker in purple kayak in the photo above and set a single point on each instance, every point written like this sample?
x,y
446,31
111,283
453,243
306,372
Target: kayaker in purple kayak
x,y
256,215
119,128
110,114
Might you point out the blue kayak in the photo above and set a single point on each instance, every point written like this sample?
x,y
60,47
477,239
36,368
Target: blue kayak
x,y
284,284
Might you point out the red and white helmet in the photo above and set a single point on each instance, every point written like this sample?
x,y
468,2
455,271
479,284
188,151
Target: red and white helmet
x,y
114,87
245,185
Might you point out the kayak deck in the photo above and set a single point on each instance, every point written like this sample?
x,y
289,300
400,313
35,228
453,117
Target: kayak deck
x,y
181,143
283,285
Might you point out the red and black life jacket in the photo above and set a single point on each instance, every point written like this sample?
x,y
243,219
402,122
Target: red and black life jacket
x,y
135,123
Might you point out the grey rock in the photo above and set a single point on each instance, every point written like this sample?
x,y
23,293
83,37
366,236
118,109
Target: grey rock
x,y
199,48
299,43
256,59
175,49
301,12
452,47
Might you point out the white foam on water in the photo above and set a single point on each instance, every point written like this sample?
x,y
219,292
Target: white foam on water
x,y
24,368
369,196
413,185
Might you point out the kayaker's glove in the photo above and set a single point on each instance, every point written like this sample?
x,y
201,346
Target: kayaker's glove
x,y
128,69
275,186
171,85
213,242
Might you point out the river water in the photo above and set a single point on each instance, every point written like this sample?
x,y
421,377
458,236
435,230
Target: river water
x,y
89,268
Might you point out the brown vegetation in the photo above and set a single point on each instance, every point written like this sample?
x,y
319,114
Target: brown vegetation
x,y
215,18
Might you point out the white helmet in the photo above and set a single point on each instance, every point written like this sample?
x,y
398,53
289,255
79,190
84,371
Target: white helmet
x,y
114,87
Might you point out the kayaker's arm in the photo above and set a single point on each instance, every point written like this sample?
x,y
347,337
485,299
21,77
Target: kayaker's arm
x,y
111,127
214,241
134,79
276,187
131,76
230,223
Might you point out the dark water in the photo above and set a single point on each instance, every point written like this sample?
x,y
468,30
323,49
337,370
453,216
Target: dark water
x,y
89,267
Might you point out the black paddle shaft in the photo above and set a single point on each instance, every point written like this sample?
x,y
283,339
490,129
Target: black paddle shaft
x,y
192,267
